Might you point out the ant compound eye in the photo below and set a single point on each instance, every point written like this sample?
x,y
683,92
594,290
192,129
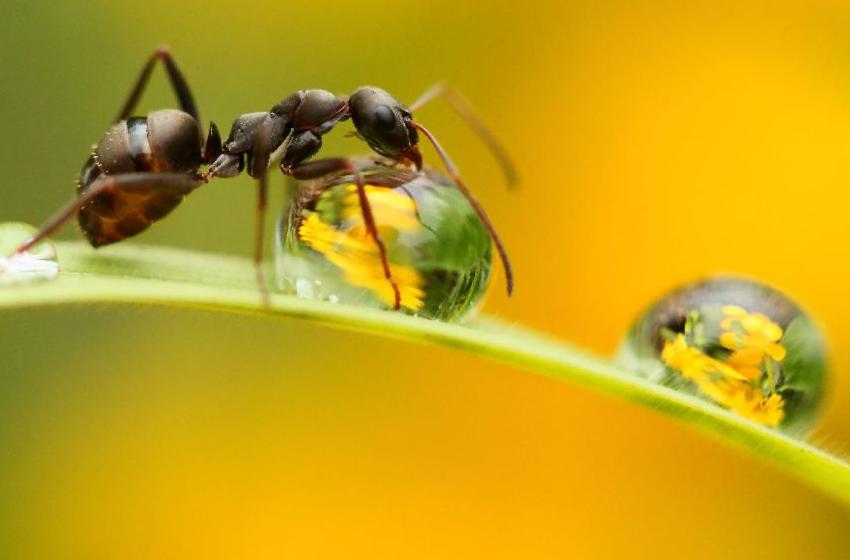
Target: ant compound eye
x,y
737,343
384,118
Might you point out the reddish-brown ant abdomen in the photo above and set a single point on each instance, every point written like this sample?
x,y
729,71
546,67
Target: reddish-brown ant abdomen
x,y
164,141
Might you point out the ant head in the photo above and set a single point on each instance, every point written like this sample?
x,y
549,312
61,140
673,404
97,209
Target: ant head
x,y
385,124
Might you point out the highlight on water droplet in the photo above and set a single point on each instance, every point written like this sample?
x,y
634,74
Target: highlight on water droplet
x,y
37,264
438,251
737,343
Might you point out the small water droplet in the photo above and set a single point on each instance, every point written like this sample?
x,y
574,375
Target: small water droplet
x,y
303,288
36,265
737,343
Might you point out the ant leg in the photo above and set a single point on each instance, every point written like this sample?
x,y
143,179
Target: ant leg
x,y
258,163
259,238
465,110
454,174
178,83
321,167
130,181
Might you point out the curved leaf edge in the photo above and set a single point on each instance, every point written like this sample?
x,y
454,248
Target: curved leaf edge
x,y
170,277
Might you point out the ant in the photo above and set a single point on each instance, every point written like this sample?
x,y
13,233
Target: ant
x,y
143,167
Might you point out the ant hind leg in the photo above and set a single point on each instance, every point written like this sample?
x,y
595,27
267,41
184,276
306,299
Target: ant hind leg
x,y
178,84
178,182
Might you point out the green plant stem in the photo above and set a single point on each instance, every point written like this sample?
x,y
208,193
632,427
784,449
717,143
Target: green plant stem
x,y
158,276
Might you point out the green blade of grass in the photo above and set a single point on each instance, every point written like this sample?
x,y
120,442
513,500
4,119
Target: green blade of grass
x,y
158,276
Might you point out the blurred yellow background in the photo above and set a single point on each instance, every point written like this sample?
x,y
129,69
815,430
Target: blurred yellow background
x,y
657,142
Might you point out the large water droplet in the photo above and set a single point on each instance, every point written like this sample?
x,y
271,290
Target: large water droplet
x,y
37,264
735,342
438,250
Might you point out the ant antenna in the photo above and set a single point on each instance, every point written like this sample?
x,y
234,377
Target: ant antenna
x,y
482,215
465,110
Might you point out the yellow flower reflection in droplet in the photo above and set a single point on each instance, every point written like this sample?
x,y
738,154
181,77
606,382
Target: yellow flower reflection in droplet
x,y
736,382
751,336
356,253
692,363
391,208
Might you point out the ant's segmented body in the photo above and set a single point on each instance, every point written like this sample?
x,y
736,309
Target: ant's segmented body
x,y
143,167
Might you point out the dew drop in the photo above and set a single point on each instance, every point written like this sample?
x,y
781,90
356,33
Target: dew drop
x,y
36,265
737,343
303,288
438,251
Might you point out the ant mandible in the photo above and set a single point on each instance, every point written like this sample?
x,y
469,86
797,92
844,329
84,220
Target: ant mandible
x,y
144,166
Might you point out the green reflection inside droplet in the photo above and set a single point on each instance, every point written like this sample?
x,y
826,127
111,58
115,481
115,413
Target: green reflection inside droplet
x,y
736,342
37,264
438,250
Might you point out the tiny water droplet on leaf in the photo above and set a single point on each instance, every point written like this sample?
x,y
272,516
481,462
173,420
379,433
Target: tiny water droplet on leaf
x,y
438,251
37,264
737,343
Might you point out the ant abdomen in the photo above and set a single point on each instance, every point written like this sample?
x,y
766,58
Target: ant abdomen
x,y
166,141
175,141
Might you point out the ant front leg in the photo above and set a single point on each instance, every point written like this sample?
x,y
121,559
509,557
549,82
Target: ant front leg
x,y
322,167
178,182
454,174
